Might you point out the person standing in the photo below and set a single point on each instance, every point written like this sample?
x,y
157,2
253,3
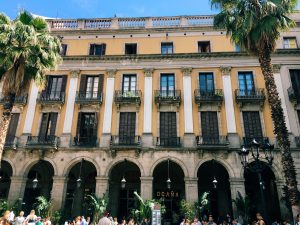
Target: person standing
x,y
260,220
4,218
31,218
20,219
196,221
211,220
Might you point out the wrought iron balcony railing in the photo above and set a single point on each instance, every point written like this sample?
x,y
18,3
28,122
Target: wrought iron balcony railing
x,y
19,100
90,141
167,97
128,97
212,140
247,141
88,97
208,96
47,141
168,141
45,97
125,140
254,95
294,95
11,142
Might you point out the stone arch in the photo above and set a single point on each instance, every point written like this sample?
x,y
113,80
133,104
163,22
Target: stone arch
x,y
31,163
171,158
12,165
76,160
121,159
222,162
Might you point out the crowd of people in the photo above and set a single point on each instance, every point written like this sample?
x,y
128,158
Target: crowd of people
x,y
9,218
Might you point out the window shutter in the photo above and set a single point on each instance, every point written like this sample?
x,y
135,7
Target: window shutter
x,y
78,124
252,124
44,126
53,122
13,124
48,84
92,49
103,49
95,125
82,87
100,85
64,83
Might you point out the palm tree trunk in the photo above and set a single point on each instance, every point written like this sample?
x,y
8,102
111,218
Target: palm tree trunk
x,y
280,129
4,122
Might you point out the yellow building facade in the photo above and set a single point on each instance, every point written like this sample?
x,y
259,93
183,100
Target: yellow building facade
x,y
144,100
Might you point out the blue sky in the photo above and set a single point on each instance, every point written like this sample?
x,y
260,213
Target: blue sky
x,y
107,8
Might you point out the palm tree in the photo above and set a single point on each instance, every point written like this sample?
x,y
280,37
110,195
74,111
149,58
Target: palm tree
x,y
255,26
27,51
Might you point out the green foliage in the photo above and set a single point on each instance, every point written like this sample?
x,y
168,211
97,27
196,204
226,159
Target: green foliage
x,y
56,217
98,205
3,205
243,207
43,206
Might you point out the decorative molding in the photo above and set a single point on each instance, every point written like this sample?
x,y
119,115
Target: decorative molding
x,y
276,68
148,72
111,73
186,71
75,73
225,70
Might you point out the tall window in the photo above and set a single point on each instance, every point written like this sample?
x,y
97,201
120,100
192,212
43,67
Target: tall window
x,y
131,49
209,127
129,83
295,80
168,129
204,46
87,128
48,126
167,84
91,86
12,128
290,42
55,86
206,83
97,49
246,83
127,128
166,48
64,48
252,125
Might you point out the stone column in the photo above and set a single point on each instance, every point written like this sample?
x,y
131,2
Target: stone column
x,y
236,185
30,114
147,138
146,187
189,137
101,186
109,98
229,108
191,189
59,191
284,211
66,137
17,188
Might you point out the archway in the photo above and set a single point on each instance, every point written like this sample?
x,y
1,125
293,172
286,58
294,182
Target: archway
x,y
5,174
263,194
171,196
43,172
219,194
121,198
76,191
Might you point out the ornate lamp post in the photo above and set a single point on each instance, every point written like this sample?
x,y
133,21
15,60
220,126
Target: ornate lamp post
x,y
35,181
123,181
79,180
169,180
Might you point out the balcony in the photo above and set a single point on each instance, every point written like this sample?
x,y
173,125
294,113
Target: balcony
x,y
255,96
247,141
11,142
85,141
294,96
51,98
209,97
88,98
171,142
49,141
172,97
125,141
128,98
19,100
212,141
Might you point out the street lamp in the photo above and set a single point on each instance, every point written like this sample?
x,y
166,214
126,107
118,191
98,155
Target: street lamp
x,y
123,181
35,181
169,180
79,180
215,182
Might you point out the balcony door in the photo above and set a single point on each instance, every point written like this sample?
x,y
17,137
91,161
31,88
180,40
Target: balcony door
x,y
48,127
12,128
246,83
129,84
206,83
295,80
210,127
87,128
91,86
55,86
252,126
168,129
167,85
127,128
